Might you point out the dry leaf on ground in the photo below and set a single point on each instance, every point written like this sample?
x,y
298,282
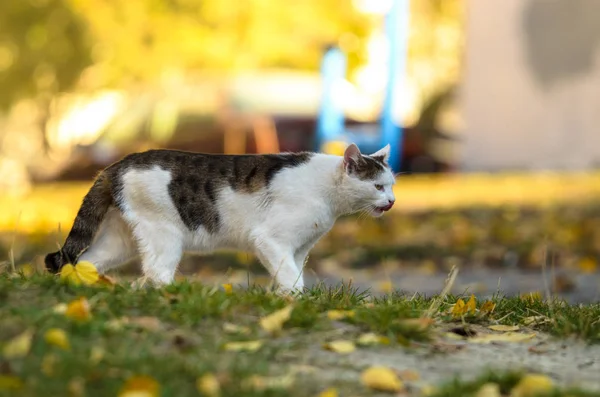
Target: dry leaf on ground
x,y
371,338
140,386
535,320
487,307
489,390
330,392
459,309
532,385
472,305
249,346
57,337
339,314
274,321
82,273
504,328
79,310
261,383
340,346
10,383
505,337
18,346
208,385
236,329
382,379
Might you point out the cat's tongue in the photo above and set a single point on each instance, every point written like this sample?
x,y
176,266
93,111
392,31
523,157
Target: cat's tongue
x,y
386,208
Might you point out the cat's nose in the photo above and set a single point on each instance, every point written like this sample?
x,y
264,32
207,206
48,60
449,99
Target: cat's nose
x,y
391,203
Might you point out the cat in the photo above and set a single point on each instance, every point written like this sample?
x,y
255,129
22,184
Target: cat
x,y
161,203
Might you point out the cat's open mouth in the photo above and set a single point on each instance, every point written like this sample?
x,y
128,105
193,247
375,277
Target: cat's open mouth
x,y
381,210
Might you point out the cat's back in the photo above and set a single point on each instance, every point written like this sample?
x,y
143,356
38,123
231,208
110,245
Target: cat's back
x,y
203,191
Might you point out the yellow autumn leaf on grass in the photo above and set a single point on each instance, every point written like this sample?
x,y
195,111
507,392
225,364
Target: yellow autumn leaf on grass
x,y
340,346
459,309
535,320
532,385
228,288
274,321
57,337
504,328
140,386
489,390
82,273
339,314
382,379
9,382
330,392
371,338
472,305
248,346
505,337
79,310
18,346
487,308
208,385
236,329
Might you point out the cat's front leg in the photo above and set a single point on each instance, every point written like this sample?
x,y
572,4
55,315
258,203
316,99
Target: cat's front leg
x,y
279,261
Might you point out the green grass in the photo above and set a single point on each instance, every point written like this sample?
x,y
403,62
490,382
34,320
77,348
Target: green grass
x,y
506,383
184,338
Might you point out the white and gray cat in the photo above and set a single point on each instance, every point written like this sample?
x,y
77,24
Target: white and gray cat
x,y
160,203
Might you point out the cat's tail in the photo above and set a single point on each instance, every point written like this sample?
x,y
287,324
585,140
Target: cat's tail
x,y
91,213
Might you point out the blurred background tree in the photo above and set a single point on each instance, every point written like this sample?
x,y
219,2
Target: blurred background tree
x,y
44,47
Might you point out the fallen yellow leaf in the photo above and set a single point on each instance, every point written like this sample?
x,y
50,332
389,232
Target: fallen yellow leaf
x,y
27,269
57,337
228,288
339,314
274,321
505,337
532,385
49,362
330,392
10,382
249,346
382,379
531,297
18,346
140,386
535,320
79,310
261,383
208,385
236,329
340,346
371,338
487,308
82,273
96,354
489,390
60,308
504,328
472,305
386,287
459,308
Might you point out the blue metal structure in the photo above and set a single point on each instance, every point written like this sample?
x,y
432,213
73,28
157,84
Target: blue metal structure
x,y
330,123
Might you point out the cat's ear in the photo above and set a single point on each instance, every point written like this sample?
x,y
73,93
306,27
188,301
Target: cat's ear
x,y
351,157
382,154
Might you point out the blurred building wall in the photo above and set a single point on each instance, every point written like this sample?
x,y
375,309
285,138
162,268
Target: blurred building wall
x,y
530,95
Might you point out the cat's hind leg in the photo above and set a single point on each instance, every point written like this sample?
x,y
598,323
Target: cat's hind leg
x,y
113,244
161,249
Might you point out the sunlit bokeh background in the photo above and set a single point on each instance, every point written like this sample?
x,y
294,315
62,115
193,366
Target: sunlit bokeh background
x,y
496,107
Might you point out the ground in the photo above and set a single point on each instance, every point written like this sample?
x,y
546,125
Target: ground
x,y
170,338
527,249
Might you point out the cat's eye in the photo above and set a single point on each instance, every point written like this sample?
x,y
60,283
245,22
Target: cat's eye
x,y
379,187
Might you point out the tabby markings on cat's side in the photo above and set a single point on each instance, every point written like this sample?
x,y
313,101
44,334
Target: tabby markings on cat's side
x,y
161,203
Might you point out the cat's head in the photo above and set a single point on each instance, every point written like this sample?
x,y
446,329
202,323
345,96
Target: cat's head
x,y
368,181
